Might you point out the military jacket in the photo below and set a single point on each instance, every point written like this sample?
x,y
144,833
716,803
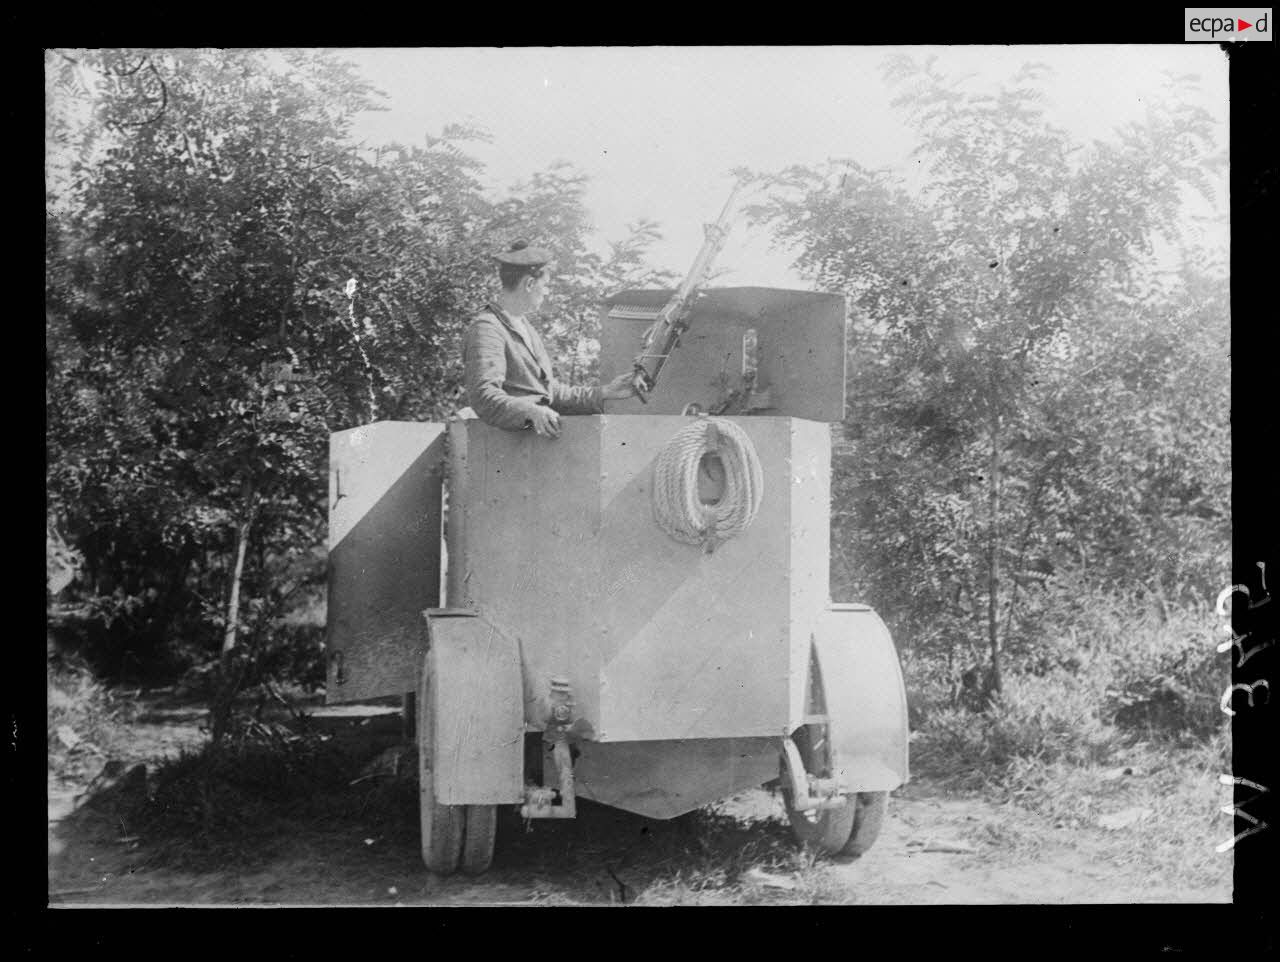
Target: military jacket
x,y
507,374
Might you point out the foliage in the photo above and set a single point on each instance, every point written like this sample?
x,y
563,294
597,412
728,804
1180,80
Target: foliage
x,y
1044,718
1035,461
229,279
1026,392
1081,692
1155,668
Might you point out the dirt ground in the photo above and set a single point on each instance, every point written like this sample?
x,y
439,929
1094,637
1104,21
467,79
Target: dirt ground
x,y
935,848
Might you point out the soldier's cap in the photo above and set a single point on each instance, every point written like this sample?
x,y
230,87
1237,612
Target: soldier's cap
x,y
522,255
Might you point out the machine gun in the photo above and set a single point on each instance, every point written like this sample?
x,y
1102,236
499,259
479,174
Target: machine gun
x,y
673,319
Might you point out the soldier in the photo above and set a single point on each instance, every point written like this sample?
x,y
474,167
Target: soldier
x,y
508,371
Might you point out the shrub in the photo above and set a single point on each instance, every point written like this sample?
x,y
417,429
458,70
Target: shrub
x,y
1169,678
929,685
1086,671
1048,718
1156,666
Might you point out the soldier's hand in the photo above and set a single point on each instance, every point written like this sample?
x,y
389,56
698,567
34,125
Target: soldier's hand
x,y
544,421
621,387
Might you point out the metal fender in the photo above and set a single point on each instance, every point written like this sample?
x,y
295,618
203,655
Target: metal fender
x,y
866,703
476,696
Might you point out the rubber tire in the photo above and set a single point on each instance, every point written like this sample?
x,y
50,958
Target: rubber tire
x,y
478,843
442,825
869,811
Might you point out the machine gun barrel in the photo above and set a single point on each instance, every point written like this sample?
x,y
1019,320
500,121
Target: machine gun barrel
x,y
673,318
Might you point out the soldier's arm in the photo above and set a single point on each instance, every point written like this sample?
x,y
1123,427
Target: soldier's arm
x,y
576,400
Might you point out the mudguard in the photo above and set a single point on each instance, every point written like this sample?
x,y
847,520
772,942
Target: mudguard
x,y
866,703
475,694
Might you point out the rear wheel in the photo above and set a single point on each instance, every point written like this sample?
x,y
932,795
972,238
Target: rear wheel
x,y
481,831
442,825
869,810
850,829
827,830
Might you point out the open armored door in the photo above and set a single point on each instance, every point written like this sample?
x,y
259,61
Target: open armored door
x,y
385,483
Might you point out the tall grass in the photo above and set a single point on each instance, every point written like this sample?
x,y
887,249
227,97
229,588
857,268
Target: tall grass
x,y
1111,711
1103,677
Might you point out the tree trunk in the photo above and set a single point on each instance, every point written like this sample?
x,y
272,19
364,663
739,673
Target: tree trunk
x,y
993,559
242,547
1032,515
231,675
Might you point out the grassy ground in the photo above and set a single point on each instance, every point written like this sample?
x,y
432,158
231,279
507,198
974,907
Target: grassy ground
x,y
281,817
1093,779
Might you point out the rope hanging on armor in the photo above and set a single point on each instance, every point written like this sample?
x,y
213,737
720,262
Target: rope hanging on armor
x,y
676,506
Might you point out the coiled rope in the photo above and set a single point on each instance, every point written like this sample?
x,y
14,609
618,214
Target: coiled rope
x,y
676,506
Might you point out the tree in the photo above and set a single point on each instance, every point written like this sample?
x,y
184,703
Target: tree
x,y
177,279
975,300
229,280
